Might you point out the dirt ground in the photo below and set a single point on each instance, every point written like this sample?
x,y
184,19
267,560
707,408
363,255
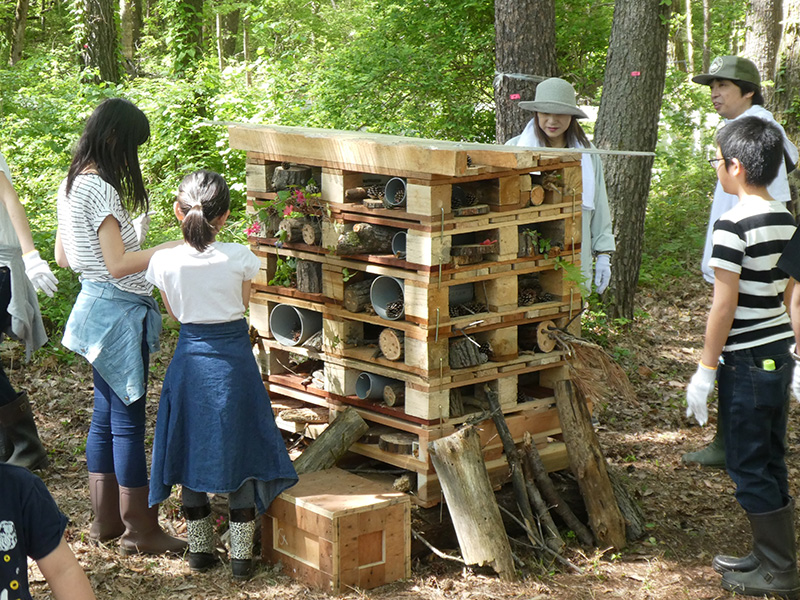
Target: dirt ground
x,y
691,513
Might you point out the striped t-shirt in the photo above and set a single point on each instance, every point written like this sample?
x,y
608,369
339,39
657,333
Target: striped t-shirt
x,y
749,240
80,215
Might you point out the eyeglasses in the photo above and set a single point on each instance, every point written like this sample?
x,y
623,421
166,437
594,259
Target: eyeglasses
x,y
714,162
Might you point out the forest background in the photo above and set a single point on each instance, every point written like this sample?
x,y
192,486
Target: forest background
x,y
423,68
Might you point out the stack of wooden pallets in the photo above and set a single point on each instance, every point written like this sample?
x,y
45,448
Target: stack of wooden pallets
x,y
487,275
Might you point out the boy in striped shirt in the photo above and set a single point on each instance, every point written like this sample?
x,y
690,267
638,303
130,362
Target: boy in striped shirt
x,y
746,350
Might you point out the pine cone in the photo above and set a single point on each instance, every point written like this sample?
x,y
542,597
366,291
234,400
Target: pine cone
x,y
470,199
526,297
455,311
394,309
469,160
486,348
312,189
545,297
375,192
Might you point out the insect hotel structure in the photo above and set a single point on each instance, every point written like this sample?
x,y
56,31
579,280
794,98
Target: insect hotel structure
x,y
410,279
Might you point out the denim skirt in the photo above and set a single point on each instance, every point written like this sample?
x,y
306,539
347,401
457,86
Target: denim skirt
x,y
215,428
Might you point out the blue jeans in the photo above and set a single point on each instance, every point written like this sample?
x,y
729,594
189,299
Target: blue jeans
x,y
754,404
116,436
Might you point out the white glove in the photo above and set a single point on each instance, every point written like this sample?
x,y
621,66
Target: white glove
x,y
141,225
796,373
698,391
602,272
38,271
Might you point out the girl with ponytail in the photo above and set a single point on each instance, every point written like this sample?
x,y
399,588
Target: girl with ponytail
x,y
215,432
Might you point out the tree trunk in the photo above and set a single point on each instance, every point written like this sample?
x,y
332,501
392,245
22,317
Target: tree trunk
x,y
187,44
525,53
677,42
332,443
130,18
18,39
788,79
762,39
706,28
101,46
689,39
227,34
628,120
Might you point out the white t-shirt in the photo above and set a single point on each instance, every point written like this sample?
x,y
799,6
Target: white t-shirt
x,y
80,215
204,287
723,202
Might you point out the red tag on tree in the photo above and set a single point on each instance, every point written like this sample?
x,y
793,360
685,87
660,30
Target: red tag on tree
x,y
513,96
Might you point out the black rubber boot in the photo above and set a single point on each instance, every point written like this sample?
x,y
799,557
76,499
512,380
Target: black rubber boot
x,y
712,456
774,546
243,527
723,563
201,538
24,448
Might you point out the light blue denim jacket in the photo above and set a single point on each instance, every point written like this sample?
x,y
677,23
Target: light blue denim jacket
x,y
106,327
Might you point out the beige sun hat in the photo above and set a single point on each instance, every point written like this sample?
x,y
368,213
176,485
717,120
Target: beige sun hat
x,y
555,96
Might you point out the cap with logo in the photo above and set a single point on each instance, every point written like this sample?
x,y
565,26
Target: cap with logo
x,y
734,68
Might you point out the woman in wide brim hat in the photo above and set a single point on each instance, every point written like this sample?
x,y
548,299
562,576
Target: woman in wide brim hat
x,y
555,125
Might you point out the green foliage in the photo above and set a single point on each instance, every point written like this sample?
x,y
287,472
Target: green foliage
x,y
285,272
682,185
582,33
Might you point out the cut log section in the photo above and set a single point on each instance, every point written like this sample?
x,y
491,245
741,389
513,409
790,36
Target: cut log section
x,y
332,443
543,339
537,195
470,211
284,177
293,229
374,434
458,461
309,276
390,341
366,239
394,394
372,203
398,443
464,353
356,194
356,296
305,415
312,233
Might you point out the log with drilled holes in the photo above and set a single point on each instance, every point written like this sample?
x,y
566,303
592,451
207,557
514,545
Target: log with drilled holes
x,y
391,342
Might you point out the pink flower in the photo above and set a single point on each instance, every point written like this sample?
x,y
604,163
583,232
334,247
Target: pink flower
x,y
299,197
288,210
254,229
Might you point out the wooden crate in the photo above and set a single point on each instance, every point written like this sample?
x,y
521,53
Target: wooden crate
x,y
336,531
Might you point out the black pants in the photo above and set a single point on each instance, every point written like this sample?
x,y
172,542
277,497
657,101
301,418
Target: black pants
x,y
7,393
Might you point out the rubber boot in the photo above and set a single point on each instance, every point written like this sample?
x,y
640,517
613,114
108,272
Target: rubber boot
x,y
712,455
104,494
201,538
143,534
243,528
16,420
723,563
774,546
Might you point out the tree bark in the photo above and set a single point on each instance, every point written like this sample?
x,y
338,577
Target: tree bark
x,y
706,28
587,462
357,297
628,120
101,46
227,32
18,38
788,80
476,518
309,276
130,18
525,45
332,443
689,39
762,39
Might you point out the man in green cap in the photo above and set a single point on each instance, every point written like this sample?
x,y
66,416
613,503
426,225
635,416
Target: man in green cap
x,y
735,92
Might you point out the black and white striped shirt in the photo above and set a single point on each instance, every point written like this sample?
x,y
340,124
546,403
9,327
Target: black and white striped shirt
x,y
80,215
749,240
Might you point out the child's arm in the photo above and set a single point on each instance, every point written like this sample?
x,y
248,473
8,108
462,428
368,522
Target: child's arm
x,y
119,261
64,574
61,256
246,293
166,304
720,319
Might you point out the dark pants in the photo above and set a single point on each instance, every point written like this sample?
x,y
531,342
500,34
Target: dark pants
x,y
754,405
116,436
244,497
7,393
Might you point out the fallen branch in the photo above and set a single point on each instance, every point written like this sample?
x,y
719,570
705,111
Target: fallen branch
x,y
541,546
435,550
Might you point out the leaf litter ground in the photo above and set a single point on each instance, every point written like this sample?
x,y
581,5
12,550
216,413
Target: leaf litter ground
x,y
691,512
